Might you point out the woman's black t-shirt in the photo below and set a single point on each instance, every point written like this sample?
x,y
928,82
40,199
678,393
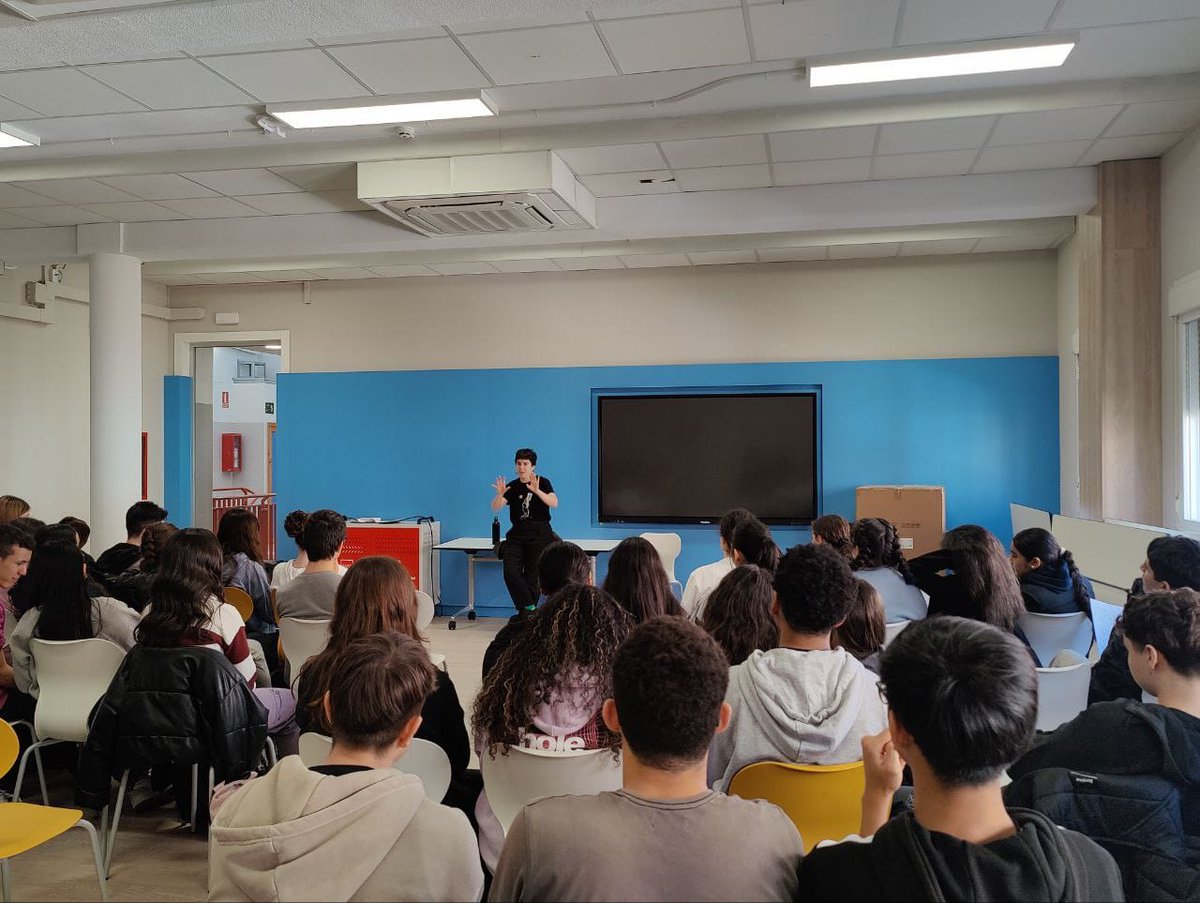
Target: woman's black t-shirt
x,y
524,506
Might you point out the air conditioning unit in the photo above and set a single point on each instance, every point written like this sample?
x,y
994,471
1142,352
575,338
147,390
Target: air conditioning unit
x,y
484,194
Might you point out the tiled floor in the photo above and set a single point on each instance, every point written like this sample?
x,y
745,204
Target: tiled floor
x,y
156,859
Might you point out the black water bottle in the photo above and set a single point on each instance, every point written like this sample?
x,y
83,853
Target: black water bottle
x,y
495,530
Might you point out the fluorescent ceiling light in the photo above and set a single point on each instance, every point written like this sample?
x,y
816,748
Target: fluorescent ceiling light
x,y
941,65
10,136
273,347
382,110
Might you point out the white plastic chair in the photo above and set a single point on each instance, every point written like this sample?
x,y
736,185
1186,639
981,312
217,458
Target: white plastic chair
x,y
72,676
1063,690
425,609
302,639
891,631
1104,619
512,780
424,759
668,545
1049,635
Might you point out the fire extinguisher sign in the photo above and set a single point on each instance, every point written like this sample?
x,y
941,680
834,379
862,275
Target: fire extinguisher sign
x,y
224,399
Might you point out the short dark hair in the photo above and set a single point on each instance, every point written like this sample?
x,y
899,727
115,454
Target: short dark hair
x,y
1175,561
731,520
293,526
1170,622
669,680
967,693
56,533
815,588
80,526
12,538
27,524
562,563
379,684
141,515
527,453
324,531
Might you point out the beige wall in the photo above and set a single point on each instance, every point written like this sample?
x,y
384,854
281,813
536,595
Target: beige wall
x,y
990,305
1068,375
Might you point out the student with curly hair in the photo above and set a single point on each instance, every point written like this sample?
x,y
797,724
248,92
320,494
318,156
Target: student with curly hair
x,y
803,701
738,613
879,561
293,528
548,685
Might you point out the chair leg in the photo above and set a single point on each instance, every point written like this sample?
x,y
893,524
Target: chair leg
x,y
5,881
195,794
269,751
41,770
98,855
33,749
111,835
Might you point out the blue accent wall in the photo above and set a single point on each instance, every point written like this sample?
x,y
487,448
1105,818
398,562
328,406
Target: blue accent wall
x,y
177,448
403,443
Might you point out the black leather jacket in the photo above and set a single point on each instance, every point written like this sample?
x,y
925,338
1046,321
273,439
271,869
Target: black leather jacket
x,y
178,706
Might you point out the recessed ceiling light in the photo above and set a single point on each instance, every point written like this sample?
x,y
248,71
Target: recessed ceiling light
x,y
383,110
940,65
10,136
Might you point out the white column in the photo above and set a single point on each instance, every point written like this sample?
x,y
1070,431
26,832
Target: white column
x,y
116,394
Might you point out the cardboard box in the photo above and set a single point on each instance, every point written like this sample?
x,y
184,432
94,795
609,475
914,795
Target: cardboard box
x,y
918,513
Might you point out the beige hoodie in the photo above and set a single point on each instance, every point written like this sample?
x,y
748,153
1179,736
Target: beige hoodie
x,y
294,834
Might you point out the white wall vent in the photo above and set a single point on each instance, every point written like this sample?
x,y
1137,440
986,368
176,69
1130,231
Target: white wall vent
x,y
485,194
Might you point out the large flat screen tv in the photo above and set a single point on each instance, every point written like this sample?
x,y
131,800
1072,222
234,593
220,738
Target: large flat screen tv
x,y
690,457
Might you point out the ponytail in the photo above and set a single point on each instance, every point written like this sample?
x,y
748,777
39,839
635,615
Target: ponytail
x,y
893,556
1082,598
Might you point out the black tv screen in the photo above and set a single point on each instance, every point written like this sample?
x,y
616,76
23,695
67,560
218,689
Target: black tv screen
x,y
689,458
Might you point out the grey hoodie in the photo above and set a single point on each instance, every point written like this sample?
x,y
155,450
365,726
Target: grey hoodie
x,y
294,834
793,706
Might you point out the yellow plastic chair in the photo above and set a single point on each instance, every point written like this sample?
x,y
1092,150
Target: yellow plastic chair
x,y
24,826
824,802
240,599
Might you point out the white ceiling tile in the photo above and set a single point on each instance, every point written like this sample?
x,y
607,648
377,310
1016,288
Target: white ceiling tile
x,y
12,196
1054,155
411,67
346,273
213,49
163,187
644,261
614,158
1155,118
633,8
464,268
1133,147
822,144
1150,48
14,111
77,191
8,221
1086,13
156,124
58,216
227,278
783,255
304,202
717,258
859,252
374,37
557,53
395,271
288,75
173,280
934,134
1013,243
551,18
211,208
937,246
715,178
821,27
658,181
286,275
573,264
526,266
321,176
816,172
730,151
170,84
134,212
917,166
63,92
680,41
930,21
1052,125
244,181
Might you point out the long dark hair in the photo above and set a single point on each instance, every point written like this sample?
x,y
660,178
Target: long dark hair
x,y
753,539
188,577
153,540
738,613
636,578
1037,542
576,632
238,532
834,531
56,584
864,631
878,546
986,575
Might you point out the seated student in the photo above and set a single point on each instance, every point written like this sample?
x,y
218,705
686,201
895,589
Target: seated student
x,y
880,562
803,701
16,550
242,567
738,613
753,544
133,586
962,702
864,631
1148,748
119,558
30,525
704,579
61,609
833,530
354,828
550,683
285,571
12,507
561,563
1050,582
636,578
664,835
310,593
980,584
1172,562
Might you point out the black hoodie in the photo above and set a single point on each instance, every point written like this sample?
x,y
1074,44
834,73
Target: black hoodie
x,y
904,861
